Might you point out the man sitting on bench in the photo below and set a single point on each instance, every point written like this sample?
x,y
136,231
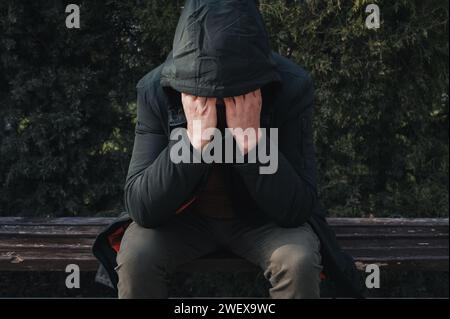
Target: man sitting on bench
x,y
222,75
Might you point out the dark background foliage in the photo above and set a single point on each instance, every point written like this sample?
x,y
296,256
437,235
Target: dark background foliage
x,y
67,100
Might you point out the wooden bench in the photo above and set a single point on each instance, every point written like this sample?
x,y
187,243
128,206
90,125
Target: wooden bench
x,y
50,244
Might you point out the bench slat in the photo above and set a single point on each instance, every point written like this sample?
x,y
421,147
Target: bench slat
x,y
36,261
341,221
350,232
420,243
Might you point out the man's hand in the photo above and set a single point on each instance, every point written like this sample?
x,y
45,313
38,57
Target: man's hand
x,y
202,111
244,112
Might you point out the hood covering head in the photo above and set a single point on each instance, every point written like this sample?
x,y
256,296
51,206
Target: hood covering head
x,y
220,49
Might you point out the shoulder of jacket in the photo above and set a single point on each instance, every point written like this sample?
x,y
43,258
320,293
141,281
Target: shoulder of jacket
x,y
296,90
149,85
294,77
151,79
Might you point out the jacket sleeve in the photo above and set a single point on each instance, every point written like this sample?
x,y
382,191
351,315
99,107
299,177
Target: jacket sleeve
x,y
156,187
289,196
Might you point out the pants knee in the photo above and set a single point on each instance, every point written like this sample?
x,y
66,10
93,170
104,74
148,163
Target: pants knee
x,y
295,260
142,269
140,263
294,272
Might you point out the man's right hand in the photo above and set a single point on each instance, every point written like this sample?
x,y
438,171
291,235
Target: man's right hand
x,y
200,110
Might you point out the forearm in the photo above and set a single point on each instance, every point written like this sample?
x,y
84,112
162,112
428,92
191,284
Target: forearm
x,y
154,194
285,197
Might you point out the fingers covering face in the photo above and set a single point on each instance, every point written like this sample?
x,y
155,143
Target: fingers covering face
x,y
254,95
210,102
198,103
230,106
186,98
231,103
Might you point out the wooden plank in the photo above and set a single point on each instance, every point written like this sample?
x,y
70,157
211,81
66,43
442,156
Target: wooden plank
x,y
374,252
29,242
92,231
337,223
396,252
86,262
390,229
419,243
400,242
429,263
38,262
75,248
351,243
104,221
388,221
57,221
49,231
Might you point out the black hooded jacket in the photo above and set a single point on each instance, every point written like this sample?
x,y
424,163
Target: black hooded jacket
x,y
221,49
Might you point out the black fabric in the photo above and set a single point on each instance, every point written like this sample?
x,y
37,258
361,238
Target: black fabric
x,y
106,255
221,49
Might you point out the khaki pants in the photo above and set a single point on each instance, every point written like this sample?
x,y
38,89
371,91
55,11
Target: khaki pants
x,y
289,257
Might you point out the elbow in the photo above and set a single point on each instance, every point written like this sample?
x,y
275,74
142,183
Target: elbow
x,y
300,211
307,208
143,212
146,218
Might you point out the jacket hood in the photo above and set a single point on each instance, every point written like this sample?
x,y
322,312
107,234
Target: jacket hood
x,y
220,49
